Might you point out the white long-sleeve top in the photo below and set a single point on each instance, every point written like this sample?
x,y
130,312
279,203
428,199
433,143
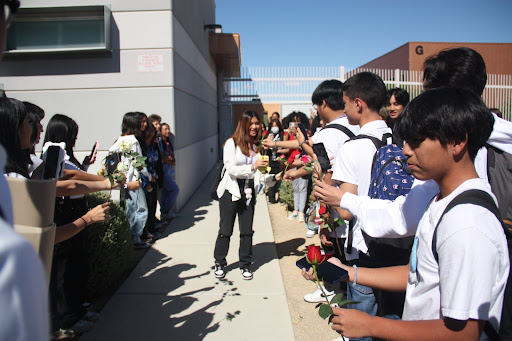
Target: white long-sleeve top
x,y
389,219
132,174
237,166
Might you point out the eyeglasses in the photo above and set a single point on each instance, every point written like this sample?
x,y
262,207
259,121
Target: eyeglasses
x,y
10,8
315,106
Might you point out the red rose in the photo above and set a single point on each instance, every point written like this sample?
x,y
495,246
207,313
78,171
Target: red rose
x,y
315,256
305,159
322,210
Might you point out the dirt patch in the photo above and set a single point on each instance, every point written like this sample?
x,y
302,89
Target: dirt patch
x,y
291,242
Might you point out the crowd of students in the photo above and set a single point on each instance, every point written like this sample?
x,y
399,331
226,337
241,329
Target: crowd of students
x,y
455,280
453,284
415,292
21,130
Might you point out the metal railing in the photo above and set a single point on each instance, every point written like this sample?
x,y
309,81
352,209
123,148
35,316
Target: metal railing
x,y
295,84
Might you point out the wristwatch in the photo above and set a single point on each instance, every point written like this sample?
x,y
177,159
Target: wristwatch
x,y
300,144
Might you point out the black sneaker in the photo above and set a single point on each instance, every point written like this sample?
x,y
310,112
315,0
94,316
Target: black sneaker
x,y
219,271
246,273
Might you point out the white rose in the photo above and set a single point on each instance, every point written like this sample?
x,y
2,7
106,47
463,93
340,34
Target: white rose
x,y
121,167
125,146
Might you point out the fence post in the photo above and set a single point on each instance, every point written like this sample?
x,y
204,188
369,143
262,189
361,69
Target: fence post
x,y
397,78
342,74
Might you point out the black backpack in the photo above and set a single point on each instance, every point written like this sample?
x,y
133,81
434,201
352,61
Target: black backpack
x,y
499,172
218,174
112,160
481,198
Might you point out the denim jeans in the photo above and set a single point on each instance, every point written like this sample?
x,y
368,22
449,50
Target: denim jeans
x,y
300,194
169,192
136,212
364,295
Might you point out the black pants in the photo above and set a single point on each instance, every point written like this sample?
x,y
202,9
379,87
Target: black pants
x,y
228,211
272,192
70,269
151,200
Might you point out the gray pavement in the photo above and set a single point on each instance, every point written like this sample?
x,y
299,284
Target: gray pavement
x,y
173,295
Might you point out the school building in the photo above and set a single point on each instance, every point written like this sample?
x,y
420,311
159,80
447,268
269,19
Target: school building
x,y
412,55
97,60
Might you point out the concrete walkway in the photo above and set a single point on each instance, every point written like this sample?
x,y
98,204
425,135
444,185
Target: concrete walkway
x,y
173,295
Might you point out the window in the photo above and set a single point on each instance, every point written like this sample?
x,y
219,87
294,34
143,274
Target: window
x,y
59,29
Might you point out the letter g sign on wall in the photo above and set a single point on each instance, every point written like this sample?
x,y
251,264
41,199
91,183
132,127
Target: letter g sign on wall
x,y
419,49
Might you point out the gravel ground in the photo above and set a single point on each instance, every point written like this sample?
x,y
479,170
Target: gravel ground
x,y
291,242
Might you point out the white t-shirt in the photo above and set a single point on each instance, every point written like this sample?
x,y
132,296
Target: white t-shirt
x,y
36,162
333,139
353,164
469,280
385,218
23,289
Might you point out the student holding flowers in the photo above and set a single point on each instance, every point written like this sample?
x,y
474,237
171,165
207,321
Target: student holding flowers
x,y
236,192
136,207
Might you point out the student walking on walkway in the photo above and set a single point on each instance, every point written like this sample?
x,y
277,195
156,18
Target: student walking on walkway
x,y
236,192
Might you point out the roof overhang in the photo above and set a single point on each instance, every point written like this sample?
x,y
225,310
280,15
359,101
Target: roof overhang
x,y
225,50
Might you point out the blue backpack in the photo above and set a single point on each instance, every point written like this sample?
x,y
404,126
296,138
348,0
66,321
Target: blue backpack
x,y
390,178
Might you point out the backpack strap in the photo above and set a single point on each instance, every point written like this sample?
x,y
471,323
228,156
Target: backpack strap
x,y
350,235
480,198
342,128
472,196
378,143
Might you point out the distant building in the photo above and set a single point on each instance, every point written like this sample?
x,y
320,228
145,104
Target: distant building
x,y
412,55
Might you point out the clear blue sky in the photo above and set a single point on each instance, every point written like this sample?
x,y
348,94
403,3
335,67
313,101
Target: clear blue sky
x,y
353,32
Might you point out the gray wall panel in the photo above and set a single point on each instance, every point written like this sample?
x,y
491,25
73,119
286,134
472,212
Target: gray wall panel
x,y
192,166
195,120
193,15
187,80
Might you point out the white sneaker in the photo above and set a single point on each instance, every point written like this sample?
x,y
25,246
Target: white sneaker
x,y
310,233
318,296
294,215
301,217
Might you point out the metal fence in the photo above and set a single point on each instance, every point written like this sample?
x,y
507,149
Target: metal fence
x,y
296,84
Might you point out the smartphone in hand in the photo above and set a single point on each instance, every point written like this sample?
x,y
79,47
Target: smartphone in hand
x,y
51,166
94,150
321,155
303,130
326,271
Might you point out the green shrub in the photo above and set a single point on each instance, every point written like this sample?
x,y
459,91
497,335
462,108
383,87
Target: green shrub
x,y
110,249
286,194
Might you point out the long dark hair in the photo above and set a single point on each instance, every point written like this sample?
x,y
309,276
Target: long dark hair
x,y
35,114
241,135
12,115
62,128
131,123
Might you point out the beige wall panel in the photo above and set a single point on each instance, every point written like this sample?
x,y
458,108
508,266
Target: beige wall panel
x,y
99,112
120,70
144,30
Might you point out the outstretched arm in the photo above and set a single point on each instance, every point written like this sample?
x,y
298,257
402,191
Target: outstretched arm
x,y
77,187
96,215
72,174
353,324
